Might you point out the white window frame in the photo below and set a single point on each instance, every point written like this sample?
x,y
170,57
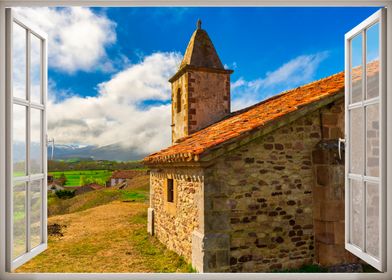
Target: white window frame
x,y
28,104
287,3
377,17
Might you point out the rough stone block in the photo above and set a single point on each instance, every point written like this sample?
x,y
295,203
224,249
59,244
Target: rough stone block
x,y
332,210
322,175
216,241
331,254
198,251
339,231
150,221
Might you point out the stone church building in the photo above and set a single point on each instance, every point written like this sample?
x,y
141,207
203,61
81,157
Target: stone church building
x,y
256,190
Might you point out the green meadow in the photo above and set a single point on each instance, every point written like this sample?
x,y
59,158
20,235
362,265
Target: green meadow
x,y
74,177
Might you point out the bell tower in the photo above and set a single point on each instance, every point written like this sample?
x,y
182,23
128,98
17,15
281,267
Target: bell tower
x,y
200,88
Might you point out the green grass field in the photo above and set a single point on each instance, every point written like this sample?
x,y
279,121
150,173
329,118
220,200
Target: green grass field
x,y
73,177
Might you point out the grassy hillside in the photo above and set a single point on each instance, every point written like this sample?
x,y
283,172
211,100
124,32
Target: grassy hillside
x,y
104,231
80,164
73,177
107,238
136,192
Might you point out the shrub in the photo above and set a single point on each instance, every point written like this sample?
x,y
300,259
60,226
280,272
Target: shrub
x,y
64,194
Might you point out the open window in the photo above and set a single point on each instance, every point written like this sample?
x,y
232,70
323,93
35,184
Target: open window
x,y
365,103
365,119
26,184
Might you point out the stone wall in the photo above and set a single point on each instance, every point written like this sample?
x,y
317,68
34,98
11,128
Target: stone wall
x,y
328,191
209,98
180,119
260,196
175,228
205,99
275,203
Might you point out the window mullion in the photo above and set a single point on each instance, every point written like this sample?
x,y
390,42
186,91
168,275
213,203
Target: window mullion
x,y
28,146
364,184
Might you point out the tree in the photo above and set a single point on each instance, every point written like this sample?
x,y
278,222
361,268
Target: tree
x,y
64,194
62,179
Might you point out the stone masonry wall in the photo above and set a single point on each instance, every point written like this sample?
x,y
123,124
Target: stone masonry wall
x,y
259,197
180,119
205,99
209,98
174,229
328,192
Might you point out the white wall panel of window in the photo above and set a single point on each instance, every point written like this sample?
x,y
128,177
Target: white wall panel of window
x,y
26,183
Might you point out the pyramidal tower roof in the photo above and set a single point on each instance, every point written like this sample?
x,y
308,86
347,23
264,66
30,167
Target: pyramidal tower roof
x,y
201,51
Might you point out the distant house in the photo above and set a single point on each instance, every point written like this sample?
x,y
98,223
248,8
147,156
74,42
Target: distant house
x,y
53,187
260,189
121,176
54,184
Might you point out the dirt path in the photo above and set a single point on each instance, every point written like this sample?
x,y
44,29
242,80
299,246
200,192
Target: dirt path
x,y
107,238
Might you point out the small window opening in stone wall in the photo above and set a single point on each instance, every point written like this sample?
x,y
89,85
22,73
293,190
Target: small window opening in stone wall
x,y
178,101
170,190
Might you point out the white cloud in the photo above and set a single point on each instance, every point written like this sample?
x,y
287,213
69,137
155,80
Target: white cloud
x,y
77,37
115,116
132,84
291,74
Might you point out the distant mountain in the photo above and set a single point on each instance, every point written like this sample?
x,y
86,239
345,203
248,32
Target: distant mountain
x,y
113,152
110,152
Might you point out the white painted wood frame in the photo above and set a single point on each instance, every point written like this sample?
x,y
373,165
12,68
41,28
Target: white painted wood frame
x,y
252,3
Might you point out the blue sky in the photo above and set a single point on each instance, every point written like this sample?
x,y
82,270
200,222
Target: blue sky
x,y
257,40
108,68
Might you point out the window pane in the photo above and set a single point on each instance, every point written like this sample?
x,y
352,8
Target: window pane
x,y
356,141
356,68
357,213
372,61
36,142
19,61
372,219
35,218
35,70
19,140
372,140
19,220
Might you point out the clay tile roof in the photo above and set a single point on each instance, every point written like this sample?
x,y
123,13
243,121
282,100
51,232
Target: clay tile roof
x,y
201,52
194,146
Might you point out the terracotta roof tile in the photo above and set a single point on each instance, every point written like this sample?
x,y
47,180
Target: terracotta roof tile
x,y
255,117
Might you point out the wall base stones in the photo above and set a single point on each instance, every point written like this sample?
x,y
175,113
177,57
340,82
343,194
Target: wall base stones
x,y
328,205
198,251
150,221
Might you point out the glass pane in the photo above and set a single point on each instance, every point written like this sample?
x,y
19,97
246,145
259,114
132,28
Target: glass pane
x,y
372,219
36,142
35,69
19,220
372,61
356,68
357,213
19,140
19,61
356,141
35,218
372,140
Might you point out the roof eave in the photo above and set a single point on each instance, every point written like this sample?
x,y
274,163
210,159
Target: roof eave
x,y
218,150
